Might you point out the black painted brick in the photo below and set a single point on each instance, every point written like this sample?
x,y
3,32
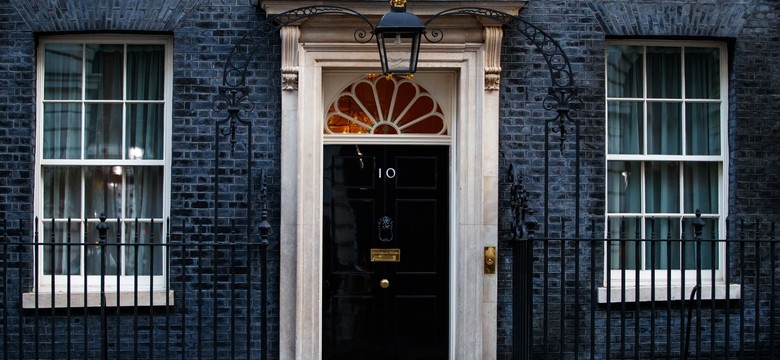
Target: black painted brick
x,y
204,31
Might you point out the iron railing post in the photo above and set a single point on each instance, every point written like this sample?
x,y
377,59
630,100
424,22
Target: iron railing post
x,y
522,229
264,228
102,229
5,240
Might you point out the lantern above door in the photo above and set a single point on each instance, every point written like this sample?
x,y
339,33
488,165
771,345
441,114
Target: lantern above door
x,y
398,39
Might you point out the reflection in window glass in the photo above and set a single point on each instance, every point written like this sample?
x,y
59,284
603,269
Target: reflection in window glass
x,y
102,152
665,151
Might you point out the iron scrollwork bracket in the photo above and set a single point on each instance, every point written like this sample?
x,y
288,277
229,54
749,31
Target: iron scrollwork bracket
x,y
560,100
563,92
233,100
233,95
523,221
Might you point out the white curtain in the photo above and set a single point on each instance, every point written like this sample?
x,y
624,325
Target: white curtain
x,y
124,192
664,126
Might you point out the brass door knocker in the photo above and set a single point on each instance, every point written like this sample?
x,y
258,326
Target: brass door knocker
x,y
385,226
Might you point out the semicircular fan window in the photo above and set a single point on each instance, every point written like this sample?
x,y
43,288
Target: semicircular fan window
x,y
378,105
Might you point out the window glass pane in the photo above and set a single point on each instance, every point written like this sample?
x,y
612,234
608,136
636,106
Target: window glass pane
x,y
702,73
664,128
662,247
145,72
147,259
624,71
702,129
104,72
144,131
61,131
623,248
103,135
624,184
625,127
63,259
103,191
93,253
144,186
662,187
62,77
664,72
709,253
62,192
701,187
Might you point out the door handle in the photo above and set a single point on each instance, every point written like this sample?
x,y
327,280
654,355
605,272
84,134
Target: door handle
x,y
384,283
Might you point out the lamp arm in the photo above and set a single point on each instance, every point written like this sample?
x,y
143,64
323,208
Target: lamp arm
x,y
556,59
295,15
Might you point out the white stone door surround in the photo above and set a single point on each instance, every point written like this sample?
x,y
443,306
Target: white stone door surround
x,y
470,52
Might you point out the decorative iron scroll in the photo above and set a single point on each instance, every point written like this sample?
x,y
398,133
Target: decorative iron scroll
x,y
557,61
523,220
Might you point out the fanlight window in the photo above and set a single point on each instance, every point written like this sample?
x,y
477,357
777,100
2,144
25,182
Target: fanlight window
x,y
386,106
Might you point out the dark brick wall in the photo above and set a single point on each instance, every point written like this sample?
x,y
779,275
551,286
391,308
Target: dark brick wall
x,y
204,32
582,27
17,116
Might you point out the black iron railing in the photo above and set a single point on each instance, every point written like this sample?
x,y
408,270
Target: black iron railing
x,y
203,302
597,298
576,301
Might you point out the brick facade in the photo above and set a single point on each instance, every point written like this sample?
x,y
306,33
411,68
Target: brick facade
x,y
205,31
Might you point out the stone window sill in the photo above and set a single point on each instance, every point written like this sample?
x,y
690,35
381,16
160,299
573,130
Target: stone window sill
x,y
663,292
113,299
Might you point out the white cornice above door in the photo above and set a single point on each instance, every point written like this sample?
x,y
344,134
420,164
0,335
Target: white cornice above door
x,y
381,7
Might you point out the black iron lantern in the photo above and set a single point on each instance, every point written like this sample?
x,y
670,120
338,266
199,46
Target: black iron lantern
x,y
398,38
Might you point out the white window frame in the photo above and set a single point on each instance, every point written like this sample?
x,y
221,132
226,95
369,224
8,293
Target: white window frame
x,y
623,284
79,293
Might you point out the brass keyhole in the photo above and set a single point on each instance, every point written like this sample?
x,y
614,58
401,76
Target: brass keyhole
x,y
384,283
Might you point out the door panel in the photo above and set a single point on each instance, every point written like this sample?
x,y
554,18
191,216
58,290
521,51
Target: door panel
x,y
408,187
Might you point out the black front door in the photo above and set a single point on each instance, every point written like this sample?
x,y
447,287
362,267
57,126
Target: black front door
x,y
385,252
